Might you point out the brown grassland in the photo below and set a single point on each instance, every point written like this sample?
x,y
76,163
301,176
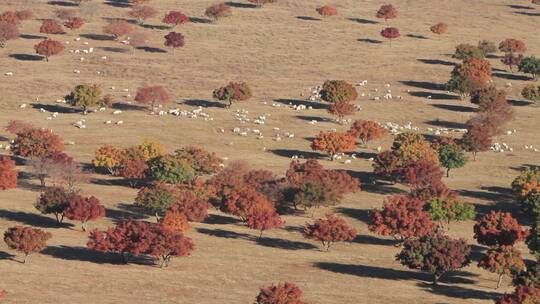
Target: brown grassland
x,y
281,54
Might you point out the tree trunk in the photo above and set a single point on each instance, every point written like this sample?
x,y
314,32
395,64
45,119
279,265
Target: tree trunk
x,y
25,258
447,172
499,281
436,278
260,235
84,226
42,180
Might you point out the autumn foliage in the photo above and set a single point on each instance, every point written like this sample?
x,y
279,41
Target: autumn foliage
x,y
232,92
8,173
49,26
175,221
436,254
202,161
53,200
31,142
386,12
402,217
193,206
118,28
84,209
512,45
152,95
329,230
263,217
366,131
8,31
74,23
342,109
175,18
48,48
327,11
334,91
333,143
283,293
522,295
142,12
503,260
499,229
174,40
439,28
218,11
390,33
26,239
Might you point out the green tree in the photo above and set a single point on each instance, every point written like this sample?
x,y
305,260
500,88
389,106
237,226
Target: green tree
x,y
530,65
170,169
450,210
84,96
531,92
451,156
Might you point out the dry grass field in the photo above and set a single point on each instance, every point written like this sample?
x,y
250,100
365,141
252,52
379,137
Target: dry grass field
x,y
282,50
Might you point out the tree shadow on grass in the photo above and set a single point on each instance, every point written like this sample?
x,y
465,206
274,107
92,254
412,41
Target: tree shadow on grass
x,y
415,36
511,76
434,96
118,3
423,85
372,240
369,40
313,118
298,102
289,153
124,212
528,14
204,103
361,215
84,254
284,244
446,124
26,57
520,7
128,107
62,3
6,256
437,61
456,108
98,37
149,49
155,26
363,21
519,103
114,49
218,219
200,20
32,37
373,271
225,234
240,5
308,18
458,291
32,219
55,108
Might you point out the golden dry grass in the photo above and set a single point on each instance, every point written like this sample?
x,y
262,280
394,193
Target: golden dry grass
x,y
281,56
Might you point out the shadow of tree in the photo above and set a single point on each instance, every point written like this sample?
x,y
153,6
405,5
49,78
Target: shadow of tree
x,y
359,214
149,49
519,103
204,103
128,107
363,21
55,108
32,219
298,102
527,14
114,49
301,154
423,85
61,3
124,212
32,37
284,244
308,18
6,256
372,240
98,37
415,36
240,5
520,7
225,234
373,271
446,124
218,219
118,3
458,292
155,26
84,254
437,61
200,20
26,57
313,118
369,40
456,108
511,76
434,96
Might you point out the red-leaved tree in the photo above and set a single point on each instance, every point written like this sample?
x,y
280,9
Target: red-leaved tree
x,y
503,260
49,26
402,217
74,23
142,12
283,293
387,11
522,295
342,109
174,18
263,217
366,131
36,143
84,209
333,143
152,95
8,173
193,206
8,32
26,239
174,40
218,11
167,243
329,230
390,33
499,228
327,11
420,174
118,28
48,48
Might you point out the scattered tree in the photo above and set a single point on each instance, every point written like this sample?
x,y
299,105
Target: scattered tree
x,y
50,26
218,11
174,40
499,229
175,221
286,293
451,156
142,12
390,33
531,92
36,143
530,65
107,157
152,95
167,244
53,200
156,199
327,11
446,210
85,96
511,60
333,143
436,254
511,45
419,174
478,137
8,173
342,109
171,170
522,295
48,48
8,32
118,28
262,218
26,239
175,18
386,12
84,209
329,230
439,28
234,91
504,260
202,161
487,47
74,23
465,51
192,205
334,91
366,131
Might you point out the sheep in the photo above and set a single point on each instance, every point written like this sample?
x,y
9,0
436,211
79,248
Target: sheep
x,y
9,74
